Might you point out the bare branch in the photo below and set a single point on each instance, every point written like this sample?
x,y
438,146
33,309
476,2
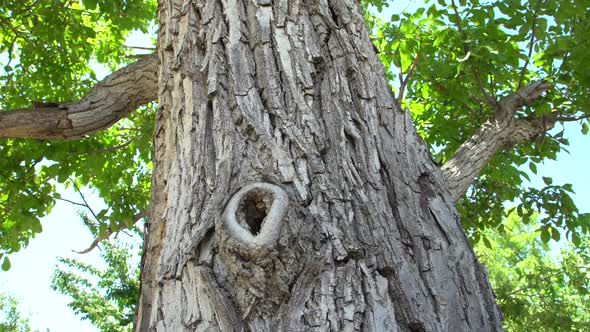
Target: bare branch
x,y
109,232
140,48
565,118
84,200
106,103
530,53
500,131
404,81
71,202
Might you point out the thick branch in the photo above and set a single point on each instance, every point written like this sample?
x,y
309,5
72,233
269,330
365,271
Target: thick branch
x,y
107,102
523,96
501,130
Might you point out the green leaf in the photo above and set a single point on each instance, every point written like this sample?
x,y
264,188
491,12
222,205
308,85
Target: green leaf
x,y
576,239
6,264
533,167
36,226
90,4
405,56
487,242
555,234
548,181
545,236
584,128
102,229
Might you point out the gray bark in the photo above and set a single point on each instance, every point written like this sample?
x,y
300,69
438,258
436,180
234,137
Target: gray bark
x,y
255,95
502,130
106,103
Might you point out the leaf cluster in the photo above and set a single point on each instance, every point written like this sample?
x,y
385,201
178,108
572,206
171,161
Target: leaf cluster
x,y
537,288
106,297
46,46
11,319
115,163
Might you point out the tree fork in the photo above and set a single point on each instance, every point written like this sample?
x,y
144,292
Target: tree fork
x,y
291,94
502,130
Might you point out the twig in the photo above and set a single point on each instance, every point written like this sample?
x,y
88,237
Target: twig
x,y
520,289
565,58
573,118
404,81
531,42
109,149
84,200
109,232
71,202
492,102
140,48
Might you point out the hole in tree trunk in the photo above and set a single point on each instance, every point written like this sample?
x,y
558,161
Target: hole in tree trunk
x,y
253,210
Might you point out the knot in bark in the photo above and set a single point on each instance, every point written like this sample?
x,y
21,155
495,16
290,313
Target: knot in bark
x,y
254,215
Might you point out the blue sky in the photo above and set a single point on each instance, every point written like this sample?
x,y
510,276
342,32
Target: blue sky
x,y
30,275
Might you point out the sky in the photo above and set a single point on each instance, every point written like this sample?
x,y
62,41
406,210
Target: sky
x,y
30,276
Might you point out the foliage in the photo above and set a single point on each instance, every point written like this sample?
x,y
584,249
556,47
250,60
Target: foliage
x,y
448,59
11,320
107,297
115,162
46,48
536,288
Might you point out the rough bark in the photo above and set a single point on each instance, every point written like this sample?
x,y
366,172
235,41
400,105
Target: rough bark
x,y
106,103
288,94
502,130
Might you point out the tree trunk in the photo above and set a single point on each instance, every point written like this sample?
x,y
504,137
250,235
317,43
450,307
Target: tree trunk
x,y
290,192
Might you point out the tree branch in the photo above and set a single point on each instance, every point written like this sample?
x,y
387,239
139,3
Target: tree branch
x,y
488,99
501,130
523,96
109,232
531,43
404,81
107,102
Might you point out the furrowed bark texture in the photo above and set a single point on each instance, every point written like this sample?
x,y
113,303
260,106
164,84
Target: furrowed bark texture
x,y
502,130
290,192
106,103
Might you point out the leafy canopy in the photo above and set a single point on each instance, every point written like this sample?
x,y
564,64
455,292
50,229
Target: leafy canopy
x,y
106,297
11,319
537,289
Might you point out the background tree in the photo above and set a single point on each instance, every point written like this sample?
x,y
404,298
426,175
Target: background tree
x,y
100,107
105,296
11,319
537,288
